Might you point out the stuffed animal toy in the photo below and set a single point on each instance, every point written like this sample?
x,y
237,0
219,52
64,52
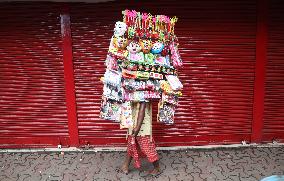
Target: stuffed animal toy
x,y
157,48
119,29
134,53
120,43
146,45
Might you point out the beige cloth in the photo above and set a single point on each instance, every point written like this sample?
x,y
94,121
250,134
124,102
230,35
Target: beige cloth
x,y
146,127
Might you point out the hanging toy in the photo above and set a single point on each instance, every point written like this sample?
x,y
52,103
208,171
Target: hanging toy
x,y
111,63
157,48
119,29
146,45
120,42
142,64
175,56
134,53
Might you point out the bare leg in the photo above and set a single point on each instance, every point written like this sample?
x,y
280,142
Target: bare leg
x,y
125,165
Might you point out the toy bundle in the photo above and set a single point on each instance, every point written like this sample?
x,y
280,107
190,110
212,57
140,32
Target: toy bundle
x,y
141,65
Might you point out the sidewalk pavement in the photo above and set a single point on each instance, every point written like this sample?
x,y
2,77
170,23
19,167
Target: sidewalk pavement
x,y
244,163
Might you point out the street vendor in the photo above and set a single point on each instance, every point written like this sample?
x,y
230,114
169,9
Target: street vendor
x,y
141,66
140,142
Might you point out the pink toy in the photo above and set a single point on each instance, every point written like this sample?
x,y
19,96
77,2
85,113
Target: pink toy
x,y
175,56
134,53
160,60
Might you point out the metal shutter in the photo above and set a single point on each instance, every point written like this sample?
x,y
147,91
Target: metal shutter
x,y
217,44
91,31
274,83
32,92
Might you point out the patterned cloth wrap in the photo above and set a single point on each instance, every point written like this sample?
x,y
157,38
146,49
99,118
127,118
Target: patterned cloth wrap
x,y
141,147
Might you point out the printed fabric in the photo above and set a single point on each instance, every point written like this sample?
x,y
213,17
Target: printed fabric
x,y
141,147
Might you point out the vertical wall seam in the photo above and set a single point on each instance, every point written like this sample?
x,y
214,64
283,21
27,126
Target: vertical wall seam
x,y
69,75
260,69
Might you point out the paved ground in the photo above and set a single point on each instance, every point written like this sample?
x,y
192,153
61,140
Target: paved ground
x,y
249,163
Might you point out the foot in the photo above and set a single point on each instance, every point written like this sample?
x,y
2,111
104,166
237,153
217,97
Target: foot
x,y
124,169
154,172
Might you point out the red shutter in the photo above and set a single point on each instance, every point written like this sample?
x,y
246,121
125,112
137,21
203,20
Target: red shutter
x,y
91,32
217,44
32,92
274,89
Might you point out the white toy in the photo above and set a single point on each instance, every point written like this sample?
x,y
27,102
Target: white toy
x,y
119,29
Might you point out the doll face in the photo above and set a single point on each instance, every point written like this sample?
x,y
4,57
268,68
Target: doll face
x,y
146,45
120,42
134,47
157,48
120,28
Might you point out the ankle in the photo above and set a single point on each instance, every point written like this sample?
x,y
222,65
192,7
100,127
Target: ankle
x,y
157,168
124,165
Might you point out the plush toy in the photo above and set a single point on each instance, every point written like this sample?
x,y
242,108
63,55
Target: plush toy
x,y
134,53
146,45
120,43
111,44
119,29
157,48
117,47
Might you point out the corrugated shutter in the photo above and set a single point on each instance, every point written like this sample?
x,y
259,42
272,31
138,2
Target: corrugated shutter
x,y
217,44
274,84
91,31
32,92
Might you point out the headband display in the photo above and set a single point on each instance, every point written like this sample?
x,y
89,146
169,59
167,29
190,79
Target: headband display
x,y
141,65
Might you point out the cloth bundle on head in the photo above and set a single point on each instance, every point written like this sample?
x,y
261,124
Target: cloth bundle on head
x,y
141,65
